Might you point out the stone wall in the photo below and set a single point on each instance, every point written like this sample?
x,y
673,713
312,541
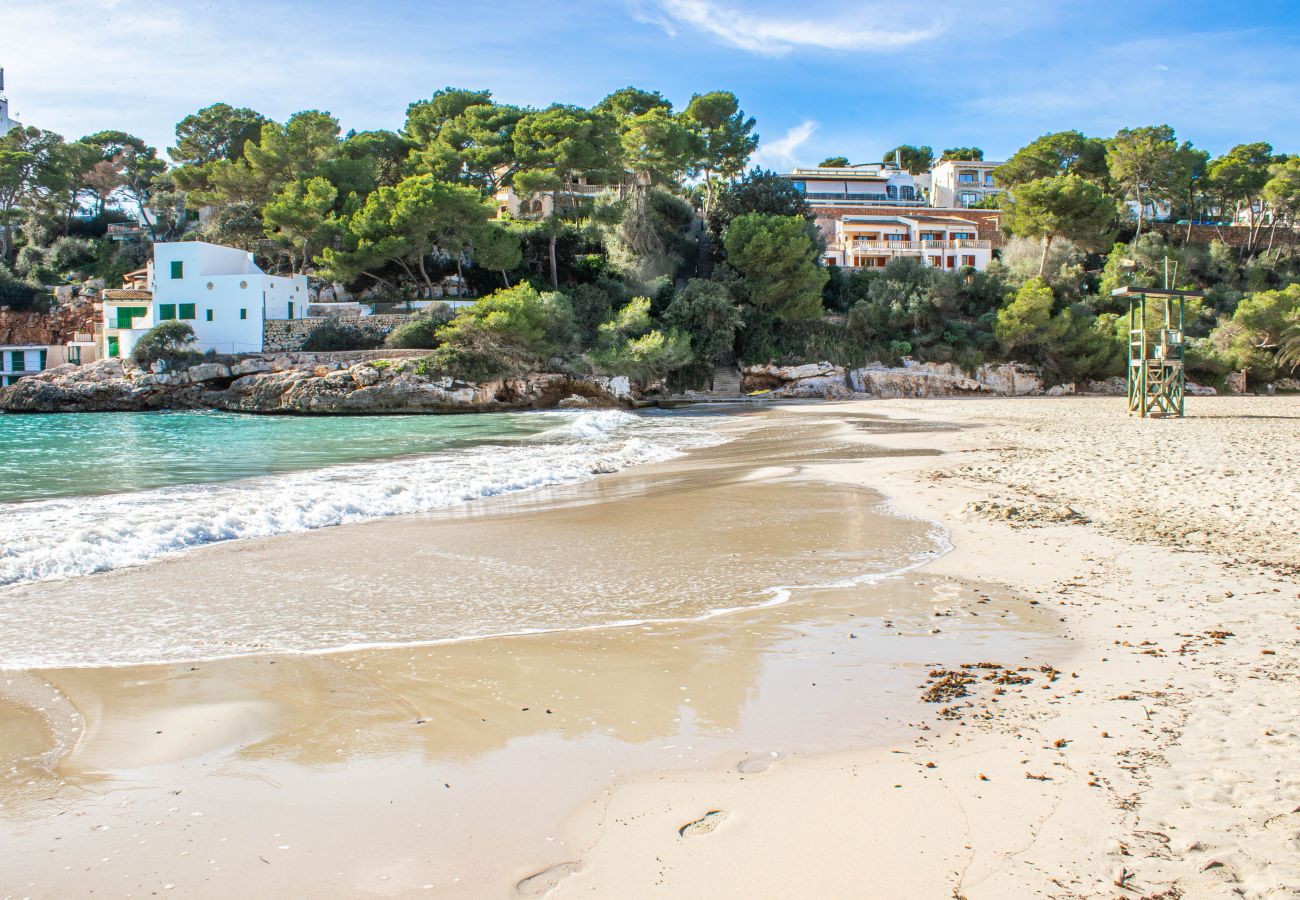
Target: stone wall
x,y
1232,235
287,335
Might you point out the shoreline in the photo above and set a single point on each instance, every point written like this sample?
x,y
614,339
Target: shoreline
x,y
813,799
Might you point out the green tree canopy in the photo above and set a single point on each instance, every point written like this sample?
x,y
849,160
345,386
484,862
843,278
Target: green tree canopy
x,y
779,260
833,162
403,225
1144,165
214,133
917,160
1061,206
1057,153
1027,320
726,139
705,311
963,154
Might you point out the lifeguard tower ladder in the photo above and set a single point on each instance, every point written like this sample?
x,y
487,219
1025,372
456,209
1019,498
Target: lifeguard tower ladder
x,y
1155,350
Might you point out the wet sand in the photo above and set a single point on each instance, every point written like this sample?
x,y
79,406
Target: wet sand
x,y
420,764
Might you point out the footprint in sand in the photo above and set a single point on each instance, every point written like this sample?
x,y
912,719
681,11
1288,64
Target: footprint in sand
x,y
547,880
759,762
704,824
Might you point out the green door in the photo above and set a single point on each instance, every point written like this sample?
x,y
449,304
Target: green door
x,y
112,347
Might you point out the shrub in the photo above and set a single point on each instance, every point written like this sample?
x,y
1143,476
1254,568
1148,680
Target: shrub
x,y
704,311
334,335
166,342
518,317
421,332
19,294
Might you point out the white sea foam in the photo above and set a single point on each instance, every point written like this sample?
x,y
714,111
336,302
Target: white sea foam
x,y
67,537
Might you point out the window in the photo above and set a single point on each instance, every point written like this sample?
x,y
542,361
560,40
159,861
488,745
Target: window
x,y
243,285
909,192
16,363
125,315
166,312
800,186
187,312
243,314
936,261
891,191
968,261
952,262
209,316
178,269
112,347
40,360
969,199
291,309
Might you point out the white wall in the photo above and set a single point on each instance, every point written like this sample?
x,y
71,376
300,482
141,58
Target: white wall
x,y
230,294
27,357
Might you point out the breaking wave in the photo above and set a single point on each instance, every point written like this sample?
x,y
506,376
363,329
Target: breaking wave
x,y
72,536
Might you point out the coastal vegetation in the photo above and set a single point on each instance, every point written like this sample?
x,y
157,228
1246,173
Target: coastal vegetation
x,y
634,236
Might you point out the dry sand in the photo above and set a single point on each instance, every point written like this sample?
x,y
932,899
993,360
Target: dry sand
x,y
1160,762
1139,736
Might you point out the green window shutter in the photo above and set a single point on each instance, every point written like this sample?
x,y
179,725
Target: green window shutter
x,y
209,315
291,309
178,269
126,313
15,360
166,312
243,314
187,311
112,346
41,356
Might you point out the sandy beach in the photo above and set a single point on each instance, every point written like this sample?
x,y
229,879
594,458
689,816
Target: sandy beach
x,y
1111,646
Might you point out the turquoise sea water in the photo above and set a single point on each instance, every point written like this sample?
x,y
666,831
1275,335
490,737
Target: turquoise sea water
x,y
103,453
81,494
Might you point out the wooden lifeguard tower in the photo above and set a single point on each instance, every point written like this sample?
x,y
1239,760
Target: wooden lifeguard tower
x,y
1155,349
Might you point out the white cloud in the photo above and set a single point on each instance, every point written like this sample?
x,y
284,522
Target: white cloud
x,y
860,26
783,153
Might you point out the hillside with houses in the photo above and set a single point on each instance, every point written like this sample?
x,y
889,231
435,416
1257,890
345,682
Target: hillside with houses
x,y
634,238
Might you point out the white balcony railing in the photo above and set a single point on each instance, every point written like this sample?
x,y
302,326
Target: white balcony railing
x,y
913,246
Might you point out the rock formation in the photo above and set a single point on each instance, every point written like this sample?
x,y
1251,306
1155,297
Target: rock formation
x,y
301,383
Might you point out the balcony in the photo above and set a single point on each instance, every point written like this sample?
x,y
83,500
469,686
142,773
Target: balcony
x,y
911,246
874,199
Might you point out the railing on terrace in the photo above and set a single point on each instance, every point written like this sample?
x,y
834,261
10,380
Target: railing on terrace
x,y
589,188
915,245
880,199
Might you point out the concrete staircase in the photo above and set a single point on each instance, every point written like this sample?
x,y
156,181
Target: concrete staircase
x,y
726,381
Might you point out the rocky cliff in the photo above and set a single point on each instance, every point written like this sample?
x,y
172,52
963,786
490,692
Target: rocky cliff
x,y
912,379
299,384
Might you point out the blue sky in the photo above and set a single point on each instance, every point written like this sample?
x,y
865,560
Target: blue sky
x,y
826,78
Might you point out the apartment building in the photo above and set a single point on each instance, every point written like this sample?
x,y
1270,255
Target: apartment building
x,y
943,242
869,184
961,183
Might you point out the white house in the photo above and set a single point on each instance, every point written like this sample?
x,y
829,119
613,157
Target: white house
x,y
944,242
955,183
218,290
6,124
17,360
868,184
